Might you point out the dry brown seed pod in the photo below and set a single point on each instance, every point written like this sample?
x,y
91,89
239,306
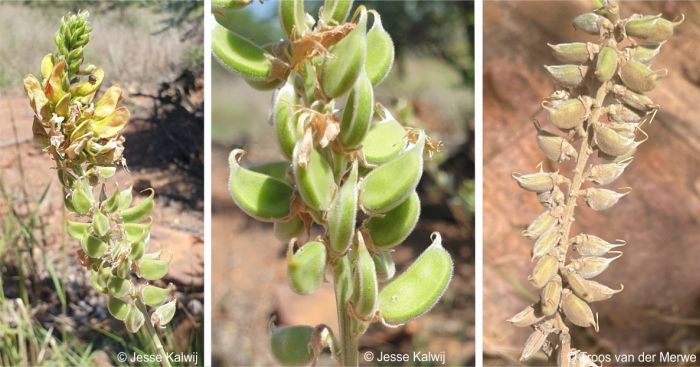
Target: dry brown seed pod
x,y
555,147
541,224
596,292
539,181
577,310
592,266
601,199
645,53
639,77
533,344
546,242
530,315
610,142
575,52
590,245
619,112
626,129
651,28
551,199
545,268
551,295
566,114
604,174
575,281
569,76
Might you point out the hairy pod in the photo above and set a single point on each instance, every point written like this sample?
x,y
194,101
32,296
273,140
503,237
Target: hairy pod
x,y
606,64
118,287
134,320
314,180
258,195
118,308
284,118
153,268
285,231
620,113
589,290
604,174
551,295
343,213
545,268
335,11
533,344
390,230
380,51
416,291
387,186
638,77
384,265
365,285
244,57
93,246
291,345
342,279
577,310
358,112
569,76
651,29
217,5
305,267
574,53
292,18
551,199
611,142
164,313
555,147
125,198
540,225
626,129
601,199
136,232
539,182
592,23
139,211
154,296
81,197
546,242
590,245
384,141
646,53
277,169
637,101
529,316
100,224
592,266
347,58
77,229
566,114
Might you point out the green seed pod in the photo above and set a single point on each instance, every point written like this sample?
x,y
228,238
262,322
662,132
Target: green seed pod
x,y
590,245
137,250
112,204
347,58
533,344
342,279
390,230
291,345
606,64
81,198
292,18
258,195
610,142
619,112
545,268
591,23
637,101
77,230
118,308
100,223
555,147
592,266
245,57
540,225
566,114
601,199
125,198
550,296
546,242
638,77
139,211
118,287
264,85
651,29
277,170
164,313
529,316
358,113
217,5
577,310
285,231
134,320
365,285
604,174
384,265
284,118
574,53
154,296
387,186
305,267
418,289
93,246
136,232
646,53
539,181
335,11
153,269
380,51
569,76
314,181
383,142
342,214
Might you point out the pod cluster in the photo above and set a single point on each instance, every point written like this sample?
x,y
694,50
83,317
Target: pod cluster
x,y
599,104
349,166
82,135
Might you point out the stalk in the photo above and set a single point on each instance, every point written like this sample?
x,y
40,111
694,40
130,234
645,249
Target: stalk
x,y
349,342
153,334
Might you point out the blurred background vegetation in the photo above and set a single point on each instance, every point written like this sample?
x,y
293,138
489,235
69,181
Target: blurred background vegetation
x,y
49,314
431,87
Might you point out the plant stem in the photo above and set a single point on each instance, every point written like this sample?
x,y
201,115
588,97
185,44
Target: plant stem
x,y
348,341
153,334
